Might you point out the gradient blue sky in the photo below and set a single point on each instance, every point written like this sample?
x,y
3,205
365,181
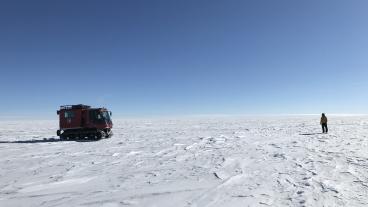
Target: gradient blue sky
x,y
165,57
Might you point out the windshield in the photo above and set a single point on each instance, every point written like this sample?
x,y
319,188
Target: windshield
x,y
105,115
100,116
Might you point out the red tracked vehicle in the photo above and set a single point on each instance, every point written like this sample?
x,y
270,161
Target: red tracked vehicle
x,y
82,121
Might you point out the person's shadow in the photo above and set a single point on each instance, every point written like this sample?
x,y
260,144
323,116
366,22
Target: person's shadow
x,y
306,134
45,140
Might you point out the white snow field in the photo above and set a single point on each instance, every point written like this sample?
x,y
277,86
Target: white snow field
x,y
224,161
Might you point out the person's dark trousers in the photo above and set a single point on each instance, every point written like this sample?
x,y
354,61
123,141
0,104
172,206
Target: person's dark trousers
x,y
324,128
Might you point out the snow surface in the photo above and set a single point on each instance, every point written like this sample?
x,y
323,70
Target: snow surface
x,y
262,161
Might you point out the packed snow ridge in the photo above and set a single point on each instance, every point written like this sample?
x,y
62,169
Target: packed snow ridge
x,y
275,161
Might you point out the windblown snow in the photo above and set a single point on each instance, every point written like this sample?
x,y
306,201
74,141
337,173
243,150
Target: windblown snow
x,y
199,162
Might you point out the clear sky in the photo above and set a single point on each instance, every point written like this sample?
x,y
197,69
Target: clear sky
x,y
165,57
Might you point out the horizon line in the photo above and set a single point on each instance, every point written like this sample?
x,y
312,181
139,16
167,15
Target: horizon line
x,y
12,118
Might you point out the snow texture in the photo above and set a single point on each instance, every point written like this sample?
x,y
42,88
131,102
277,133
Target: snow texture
x,y
199,162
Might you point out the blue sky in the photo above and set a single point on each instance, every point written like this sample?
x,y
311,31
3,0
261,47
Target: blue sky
x,y
164,57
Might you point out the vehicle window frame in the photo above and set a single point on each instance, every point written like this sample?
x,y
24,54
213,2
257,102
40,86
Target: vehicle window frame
x,y
69,114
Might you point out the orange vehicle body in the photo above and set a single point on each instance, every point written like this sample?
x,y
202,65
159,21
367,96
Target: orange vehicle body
x,y
82,121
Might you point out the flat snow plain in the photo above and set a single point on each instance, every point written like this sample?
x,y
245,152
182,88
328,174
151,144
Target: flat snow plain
x,y
225,161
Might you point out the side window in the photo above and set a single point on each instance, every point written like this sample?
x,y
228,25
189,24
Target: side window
x,y
69,114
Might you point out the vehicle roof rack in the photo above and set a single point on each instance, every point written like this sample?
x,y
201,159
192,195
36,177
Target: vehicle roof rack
x,y
78,106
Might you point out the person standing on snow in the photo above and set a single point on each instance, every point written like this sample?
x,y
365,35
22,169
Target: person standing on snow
x,y
324,123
